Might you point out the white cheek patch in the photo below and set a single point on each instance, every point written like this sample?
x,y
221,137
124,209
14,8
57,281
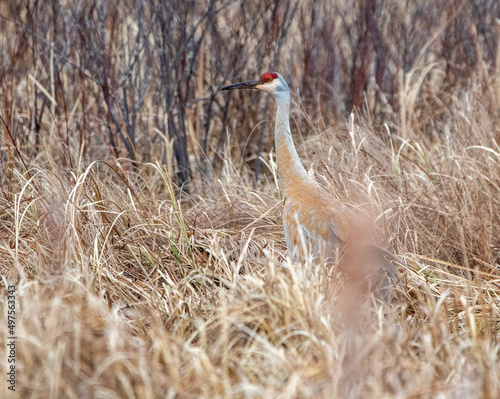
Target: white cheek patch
x,y
269,86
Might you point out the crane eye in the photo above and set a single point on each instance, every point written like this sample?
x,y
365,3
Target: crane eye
x,y
268,79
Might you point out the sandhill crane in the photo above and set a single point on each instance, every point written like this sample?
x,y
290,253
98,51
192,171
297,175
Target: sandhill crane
x,y
314,220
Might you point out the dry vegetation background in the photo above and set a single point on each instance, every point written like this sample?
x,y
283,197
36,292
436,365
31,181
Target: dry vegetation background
x,y
140,210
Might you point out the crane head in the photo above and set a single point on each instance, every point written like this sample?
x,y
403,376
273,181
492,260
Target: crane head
x,y
270,82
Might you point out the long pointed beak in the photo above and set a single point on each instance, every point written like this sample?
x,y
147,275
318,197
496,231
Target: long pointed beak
x,y
249,84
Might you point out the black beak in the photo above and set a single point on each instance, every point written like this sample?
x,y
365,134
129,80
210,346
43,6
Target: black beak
x,y
250,84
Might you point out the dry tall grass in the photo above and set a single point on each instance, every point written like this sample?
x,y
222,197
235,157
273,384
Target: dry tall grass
x,y
129,287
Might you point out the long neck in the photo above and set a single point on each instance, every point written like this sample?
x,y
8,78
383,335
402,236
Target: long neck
x,y
289,166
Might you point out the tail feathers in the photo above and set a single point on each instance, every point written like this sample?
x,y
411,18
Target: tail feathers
x,y
385,275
